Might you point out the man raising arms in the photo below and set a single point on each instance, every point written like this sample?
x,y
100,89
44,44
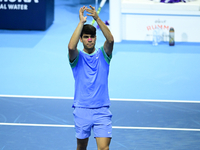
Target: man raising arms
x,y
90,68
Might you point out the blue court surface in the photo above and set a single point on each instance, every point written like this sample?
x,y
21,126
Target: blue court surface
x,y
47,123
154,90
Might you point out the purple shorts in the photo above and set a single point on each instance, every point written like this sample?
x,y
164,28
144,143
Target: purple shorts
x,y
98,119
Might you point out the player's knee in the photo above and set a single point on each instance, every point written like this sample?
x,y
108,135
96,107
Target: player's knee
x,y
81,147
82,144
103,148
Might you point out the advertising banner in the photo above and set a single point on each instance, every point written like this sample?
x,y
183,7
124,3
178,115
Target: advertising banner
x,y
26,14
142,27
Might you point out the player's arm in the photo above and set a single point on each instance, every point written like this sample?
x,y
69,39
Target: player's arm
x,y
72,46
108,45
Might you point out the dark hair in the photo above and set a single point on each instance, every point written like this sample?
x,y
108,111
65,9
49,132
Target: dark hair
x,y
88,29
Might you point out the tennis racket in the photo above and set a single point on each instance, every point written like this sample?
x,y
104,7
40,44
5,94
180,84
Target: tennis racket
x,y
99,9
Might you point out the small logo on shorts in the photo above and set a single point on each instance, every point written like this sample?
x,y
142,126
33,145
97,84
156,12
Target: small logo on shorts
x,y
109,132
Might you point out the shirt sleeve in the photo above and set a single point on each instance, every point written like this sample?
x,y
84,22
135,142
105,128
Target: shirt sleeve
x,y
106,57
75,61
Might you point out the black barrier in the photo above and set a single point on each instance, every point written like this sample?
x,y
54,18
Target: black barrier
x,y
26,14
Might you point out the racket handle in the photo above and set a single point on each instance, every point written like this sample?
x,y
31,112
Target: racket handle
x,y
98,11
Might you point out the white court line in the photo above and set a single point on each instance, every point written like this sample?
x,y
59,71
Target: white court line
x,y
112,99
36,125
44,97
114,127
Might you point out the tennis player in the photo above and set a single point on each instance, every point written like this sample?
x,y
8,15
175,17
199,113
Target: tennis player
x,y
90,68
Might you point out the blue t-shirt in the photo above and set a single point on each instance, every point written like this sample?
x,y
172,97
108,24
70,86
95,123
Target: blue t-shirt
x,y
90,72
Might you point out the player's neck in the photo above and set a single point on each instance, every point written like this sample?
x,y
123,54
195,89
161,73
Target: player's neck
x,y
89,51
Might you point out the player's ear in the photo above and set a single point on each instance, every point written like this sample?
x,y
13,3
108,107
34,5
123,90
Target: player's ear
x,y
81,40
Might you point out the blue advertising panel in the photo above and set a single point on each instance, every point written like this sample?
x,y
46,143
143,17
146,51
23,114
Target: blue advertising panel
x,y
26,14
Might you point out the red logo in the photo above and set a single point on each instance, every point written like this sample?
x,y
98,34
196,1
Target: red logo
x,y
153,27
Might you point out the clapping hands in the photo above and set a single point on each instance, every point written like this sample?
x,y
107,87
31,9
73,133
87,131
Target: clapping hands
x,y
91,12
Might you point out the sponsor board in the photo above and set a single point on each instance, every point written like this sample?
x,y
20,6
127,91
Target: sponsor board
x,y
16,4
141,27
26,14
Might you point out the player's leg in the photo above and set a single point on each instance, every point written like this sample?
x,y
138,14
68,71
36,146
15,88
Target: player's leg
x,y
103,128
83,125
103,143
82,144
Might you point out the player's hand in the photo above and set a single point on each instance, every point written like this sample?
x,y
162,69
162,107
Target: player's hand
x,y
81,14
92,12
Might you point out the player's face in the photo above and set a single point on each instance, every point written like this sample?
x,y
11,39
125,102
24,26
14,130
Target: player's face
x,y
88,41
